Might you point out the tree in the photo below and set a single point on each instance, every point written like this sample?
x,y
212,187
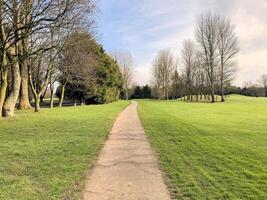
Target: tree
x,y
126,62
88,74
147,92
24,28
52,81
4,60
207,38
24,102
228,49
77,61
264,83
163,68
138,93
188,57
199,78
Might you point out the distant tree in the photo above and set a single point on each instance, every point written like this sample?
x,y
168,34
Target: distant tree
x,y
178,85
264,83
138,93
228,49
199,76
188,57
162,71
147,94
207,38
126,63
175,85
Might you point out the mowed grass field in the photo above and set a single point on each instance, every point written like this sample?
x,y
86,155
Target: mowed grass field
x,y
47,155
210,151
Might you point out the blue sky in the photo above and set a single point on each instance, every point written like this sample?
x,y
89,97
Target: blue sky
x,y
144,27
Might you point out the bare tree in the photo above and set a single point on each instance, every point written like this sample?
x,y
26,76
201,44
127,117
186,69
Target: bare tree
x,y
126,63
228,49
264,83
26,7
175,85
188,58
162,72
4,60
207,38
199,77
178,85
23,22
12,52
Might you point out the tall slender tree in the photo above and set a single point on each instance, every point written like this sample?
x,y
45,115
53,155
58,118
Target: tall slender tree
x,y
188,58
207,38
228,50
162,71
126,63
264,83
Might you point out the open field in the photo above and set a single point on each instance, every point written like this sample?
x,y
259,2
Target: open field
x,y
46,155
210,151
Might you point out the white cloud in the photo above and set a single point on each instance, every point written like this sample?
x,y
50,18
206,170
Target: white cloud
x,y
151,25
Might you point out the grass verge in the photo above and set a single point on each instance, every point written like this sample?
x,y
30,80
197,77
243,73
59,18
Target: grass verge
x,y
47,155
210,151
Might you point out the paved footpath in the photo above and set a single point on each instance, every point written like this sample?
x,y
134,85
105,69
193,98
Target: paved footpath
x,y
127,168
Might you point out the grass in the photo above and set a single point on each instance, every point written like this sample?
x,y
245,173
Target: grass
x,y
210,151
47,155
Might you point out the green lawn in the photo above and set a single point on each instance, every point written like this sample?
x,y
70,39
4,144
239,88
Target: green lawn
x,y
210,151
46,155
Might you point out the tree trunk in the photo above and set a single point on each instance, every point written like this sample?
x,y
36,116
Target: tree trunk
x,y
37,103
126,94
24,102
10,103
52,98
4,75
212,93
4,68
62,94
222,92
188,97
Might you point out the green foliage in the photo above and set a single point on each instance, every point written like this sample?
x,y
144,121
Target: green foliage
x,y
95,76
142,92
147,93
211,151
47,155
109,83
138,93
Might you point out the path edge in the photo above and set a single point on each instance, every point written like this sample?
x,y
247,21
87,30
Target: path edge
x,y
90,170
165,177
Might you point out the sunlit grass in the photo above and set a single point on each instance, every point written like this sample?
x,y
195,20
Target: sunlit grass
x,y
211,151
46,155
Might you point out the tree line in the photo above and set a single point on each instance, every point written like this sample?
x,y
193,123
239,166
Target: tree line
x,y
208,62
44,43
251,89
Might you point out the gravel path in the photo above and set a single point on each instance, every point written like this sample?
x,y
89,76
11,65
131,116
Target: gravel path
x,y
126,169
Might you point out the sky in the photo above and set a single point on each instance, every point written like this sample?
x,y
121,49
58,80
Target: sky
x,y
144,27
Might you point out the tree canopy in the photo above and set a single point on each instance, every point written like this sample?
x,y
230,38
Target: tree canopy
x,y
89,74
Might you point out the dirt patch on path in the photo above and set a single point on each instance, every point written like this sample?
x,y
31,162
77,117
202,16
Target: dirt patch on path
x,y
126,169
